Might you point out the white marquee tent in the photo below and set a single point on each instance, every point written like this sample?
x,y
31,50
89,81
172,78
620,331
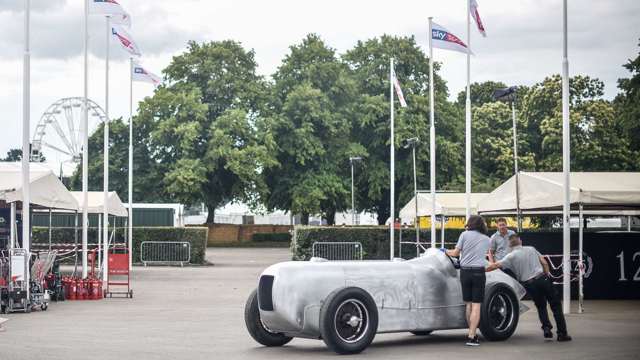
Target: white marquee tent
x,y
115,206
448,204
46,189
543,191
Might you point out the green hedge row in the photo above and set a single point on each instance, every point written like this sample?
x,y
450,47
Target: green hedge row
x,y
271,237
374,240
196,236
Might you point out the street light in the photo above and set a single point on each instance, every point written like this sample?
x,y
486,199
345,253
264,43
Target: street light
x,y
509,94
353,159
413,142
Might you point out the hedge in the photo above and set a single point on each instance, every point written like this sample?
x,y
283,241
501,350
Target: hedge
x,y
374,240
271,237
196,236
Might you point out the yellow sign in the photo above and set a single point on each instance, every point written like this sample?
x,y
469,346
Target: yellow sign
x,y
457,222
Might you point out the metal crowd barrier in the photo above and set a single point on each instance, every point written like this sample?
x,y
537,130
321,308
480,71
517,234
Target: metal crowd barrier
x,y
337,250
165,252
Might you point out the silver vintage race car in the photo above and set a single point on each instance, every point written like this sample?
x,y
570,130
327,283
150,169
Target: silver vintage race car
x,y
346,303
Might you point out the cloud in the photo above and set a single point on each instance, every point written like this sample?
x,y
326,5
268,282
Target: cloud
x,y
58,32
17,6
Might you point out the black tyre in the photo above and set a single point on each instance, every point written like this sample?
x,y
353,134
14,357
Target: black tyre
x,y
421,333
255,326
348,320
499,313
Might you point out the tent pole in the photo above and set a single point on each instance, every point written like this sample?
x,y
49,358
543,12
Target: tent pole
x,y
442,229
629,223
49,229
100,236
580,263
14,229
566,169
75,242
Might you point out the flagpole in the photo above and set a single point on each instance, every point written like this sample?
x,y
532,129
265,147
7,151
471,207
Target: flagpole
x,y
566,166
85,143
432,138
467,117
130,193
392,166
26,151
105,186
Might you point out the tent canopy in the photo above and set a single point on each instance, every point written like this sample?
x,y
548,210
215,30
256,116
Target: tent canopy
x,y
96,203
448,204
543,191
46,189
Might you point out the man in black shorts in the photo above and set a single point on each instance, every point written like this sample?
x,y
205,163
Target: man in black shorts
x,y
472,247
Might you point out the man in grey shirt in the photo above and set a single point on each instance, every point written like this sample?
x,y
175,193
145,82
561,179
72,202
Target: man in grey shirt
x,y
532,270
500,241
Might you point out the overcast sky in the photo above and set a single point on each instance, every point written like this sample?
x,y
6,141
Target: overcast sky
x,y
523,43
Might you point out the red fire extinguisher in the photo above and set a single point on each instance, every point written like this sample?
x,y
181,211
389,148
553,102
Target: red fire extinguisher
x,y
95,291
73,288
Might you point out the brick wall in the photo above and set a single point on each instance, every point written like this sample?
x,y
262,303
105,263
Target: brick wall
x,y
232,233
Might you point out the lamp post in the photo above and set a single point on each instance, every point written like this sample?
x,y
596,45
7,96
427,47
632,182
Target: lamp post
x,y
509,94
353,159
413,142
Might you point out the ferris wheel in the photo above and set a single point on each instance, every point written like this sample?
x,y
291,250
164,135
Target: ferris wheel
x,y
58,134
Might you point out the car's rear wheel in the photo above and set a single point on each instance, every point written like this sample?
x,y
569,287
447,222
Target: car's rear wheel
x,y
499,313
348,320
256,328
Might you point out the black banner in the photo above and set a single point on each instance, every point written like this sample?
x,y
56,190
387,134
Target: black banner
x,y
611,262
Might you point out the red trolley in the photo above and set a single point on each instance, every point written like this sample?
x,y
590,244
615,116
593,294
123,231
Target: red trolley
x,y
118,271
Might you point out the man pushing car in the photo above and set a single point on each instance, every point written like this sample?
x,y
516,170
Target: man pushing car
x,y
532,271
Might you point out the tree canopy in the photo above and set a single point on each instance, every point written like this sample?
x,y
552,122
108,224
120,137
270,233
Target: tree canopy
x,y
217,132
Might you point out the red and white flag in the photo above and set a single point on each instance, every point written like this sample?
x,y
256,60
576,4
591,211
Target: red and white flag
x,y
139,73
125,40
105,7
396,85
473,8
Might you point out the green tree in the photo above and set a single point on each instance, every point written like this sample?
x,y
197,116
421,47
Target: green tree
x,y
598,141
311,118
492,146
370,63
481,93
627,103
13,155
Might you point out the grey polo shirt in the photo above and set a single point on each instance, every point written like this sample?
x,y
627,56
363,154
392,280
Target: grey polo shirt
x,y
500,244
524,261
473,247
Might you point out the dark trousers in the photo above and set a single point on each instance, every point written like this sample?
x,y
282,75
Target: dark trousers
x,y
542,291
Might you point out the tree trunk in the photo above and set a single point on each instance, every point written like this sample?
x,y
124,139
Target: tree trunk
x,y
211,214
330,216
304,218
383,215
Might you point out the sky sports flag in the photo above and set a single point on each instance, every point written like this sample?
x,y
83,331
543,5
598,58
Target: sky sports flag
x,y
443,39
396,85
124,39
141,74
105,7
473,8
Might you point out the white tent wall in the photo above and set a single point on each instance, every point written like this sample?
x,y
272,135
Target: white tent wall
x,y
448,204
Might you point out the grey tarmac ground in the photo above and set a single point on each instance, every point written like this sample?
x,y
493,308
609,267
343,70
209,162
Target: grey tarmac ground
x,y
197,313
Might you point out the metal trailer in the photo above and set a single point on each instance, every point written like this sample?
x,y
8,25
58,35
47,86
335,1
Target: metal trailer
x,y
118,269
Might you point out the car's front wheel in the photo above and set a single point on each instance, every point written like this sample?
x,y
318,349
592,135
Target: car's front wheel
x,y
499,313
256,328
348,320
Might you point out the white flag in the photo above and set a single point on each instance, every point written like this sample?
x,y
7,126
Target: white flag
x,y
396,85
473,8
121,19
139,73
443,39
125,40
105,7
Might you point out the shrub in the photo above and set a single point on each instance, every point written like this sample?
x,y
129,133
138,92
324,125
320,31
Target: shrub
x,y
196,236
374,240
271,237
